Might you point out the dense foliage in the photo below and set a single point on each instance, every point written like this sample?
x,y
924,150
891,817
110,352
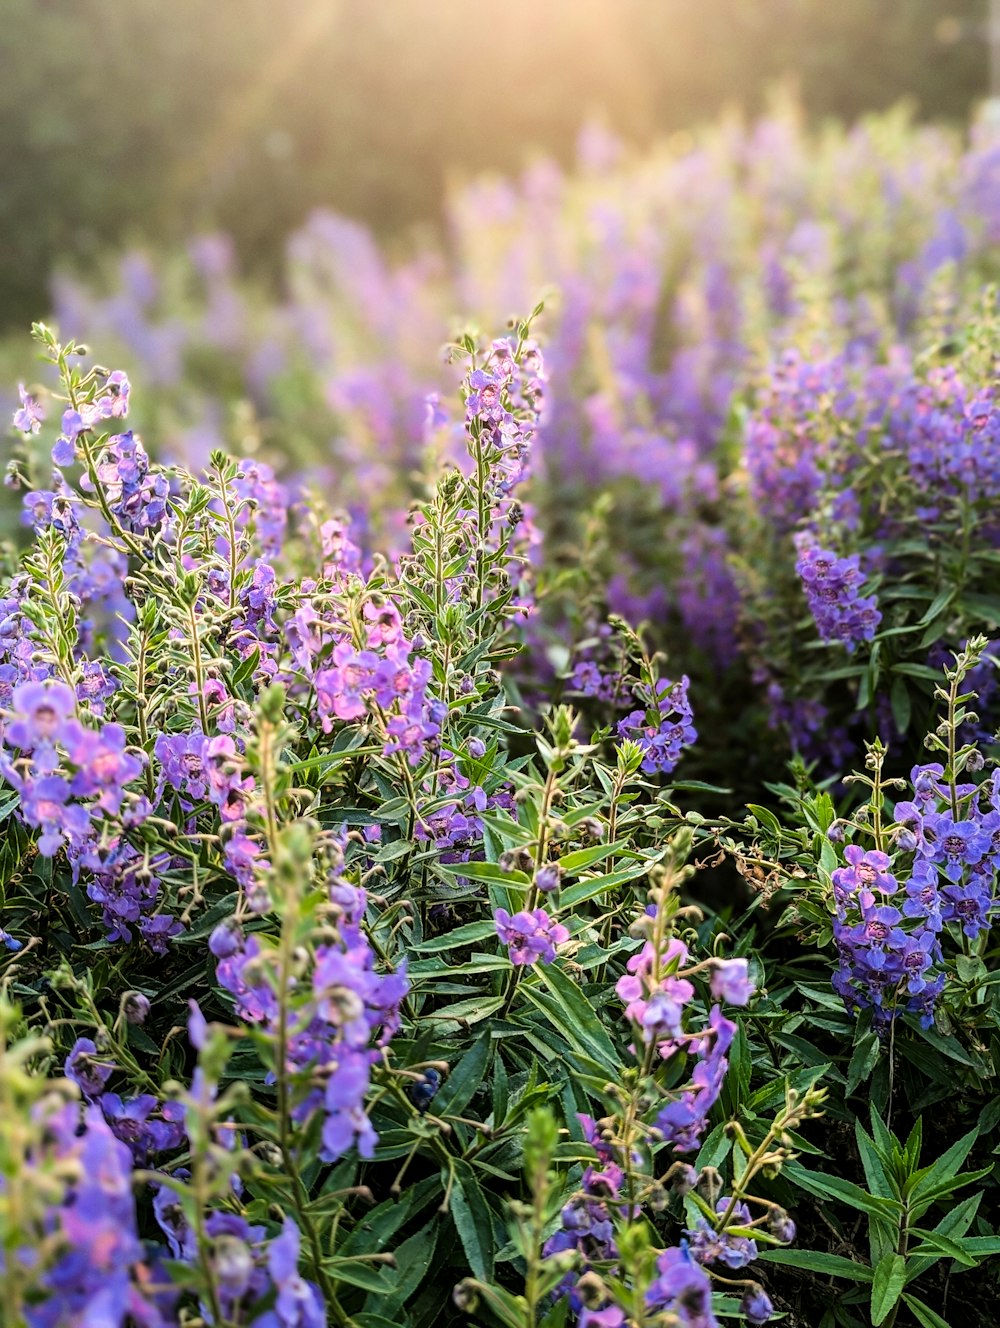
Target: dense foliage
x,y
520,842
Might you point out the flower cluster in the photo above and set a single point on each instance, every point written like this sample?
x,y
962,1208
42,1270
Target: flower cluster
x,y
881,960
76,789
530,937
664,728
345,1008
101,1271
831,586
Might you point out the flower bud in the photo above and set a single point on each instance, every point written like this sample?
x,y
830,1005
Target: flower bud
x,y
233,1264
547,877
466,1296
780,1225
135,1007
756,1304
591,1290
681,1178
709,1185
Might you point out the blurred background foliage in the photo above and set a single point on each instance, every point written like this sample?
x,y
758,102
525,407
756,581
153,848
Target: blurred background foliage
x,y
142,120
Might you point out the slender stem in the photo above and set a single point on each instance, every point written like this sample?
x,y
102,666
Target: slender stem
x,y
199,669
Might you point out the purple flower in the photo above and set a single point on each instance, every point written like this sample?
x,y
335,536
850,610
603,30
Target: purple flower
x,y
46,806
41,710
831,587
131,1123
29,418
182,758
711,1246
957,845
682,1287
547,878
731,981
530,936
134,493
88,1073
864,873
664,728
299,1304
756,1304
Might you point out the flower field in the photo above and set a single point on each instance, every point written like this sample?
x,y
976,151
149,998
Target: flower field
x,y
499,780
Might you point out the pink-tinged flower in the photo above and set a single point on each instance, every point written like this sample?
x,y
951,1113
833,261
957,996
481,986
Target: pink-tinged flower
x,y
385,626
41,710
865,872
29,418
731,981
530,936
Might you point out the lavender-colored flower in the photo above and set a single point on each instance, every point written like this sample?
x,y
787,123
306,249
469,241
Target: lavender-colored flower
x,y
831,587
298,1304
183,762
30,416
756,1304
135,493
664,728
86,1071
709,1246
731,981
954,845
41,710
530,936
865,873
682,1287
547,878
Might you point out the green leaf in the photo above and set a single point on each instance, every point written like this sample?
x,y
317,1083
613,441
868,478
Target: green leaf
x,y
899,699
954,1224
245,668
834,1187
715,1149
815,1261
356,1272
944,1245
469,934
766,818
922,1183
887,1286
460,1086
925,1316
939,602
863,1060
596,885
586,857
983,1247
472,1011
578,1021
483,871
377,1227
413,1261
880,1181
473,1221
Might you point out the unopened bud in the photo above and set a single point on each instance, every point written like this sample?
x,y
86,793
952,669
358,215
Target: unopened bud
x,y
681,1178
709,1185
780,1225
466,1296
591,1290
135,1007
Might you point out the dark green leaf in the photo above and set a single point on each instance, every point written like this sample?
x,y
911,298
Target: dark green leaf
x,y
887,1286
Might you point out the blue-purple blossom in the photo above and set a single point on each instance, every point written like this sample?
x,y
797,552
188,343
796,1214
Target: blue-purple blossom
x,y
664,728
831,586
29,418
530,936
